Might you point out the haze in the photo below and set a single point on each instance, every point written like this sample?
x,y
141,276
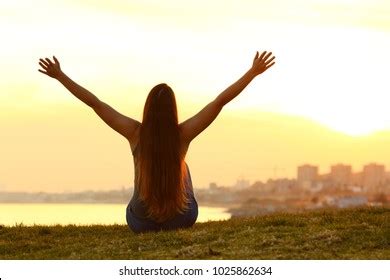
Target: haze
x,y
325,100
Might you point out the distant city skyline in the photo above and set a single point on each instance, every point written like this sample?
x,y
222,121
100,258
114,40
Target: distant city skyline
x,y
309,190
370,174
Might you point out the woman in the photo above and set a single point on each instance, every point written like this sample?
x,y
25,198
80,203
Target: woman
x,y
163,196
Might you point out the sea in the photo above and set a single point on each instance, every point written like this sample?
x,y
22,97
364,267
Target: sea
x,y
29,214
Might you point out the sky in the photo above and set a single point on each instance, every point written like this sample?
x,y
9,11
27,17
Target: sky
x,y
330,76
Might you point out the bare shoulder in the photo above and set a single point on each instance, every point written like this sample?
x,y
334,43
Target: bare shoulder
x,y
134,138
183,133
184,141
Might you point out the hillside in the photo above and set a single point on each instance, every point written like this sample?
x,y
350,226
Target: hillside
x,y
361,233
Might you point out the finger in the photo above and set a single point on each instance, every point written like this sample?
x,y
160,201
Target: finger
x,y
49,61
256,56
44,62
262,55
44,66
56,60
269,60
267,56
269,65
42,72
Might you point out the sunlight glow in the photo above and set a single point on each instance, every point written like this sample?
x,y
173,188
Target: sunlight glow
x,y
332,60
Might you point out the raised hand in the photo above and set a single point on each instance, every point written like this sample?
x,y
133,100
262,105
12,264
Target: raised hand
x,y
262,63
50,68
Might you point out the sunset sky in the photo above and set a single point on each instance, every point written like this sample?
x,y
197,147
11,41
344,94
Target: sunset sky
x,y
326,100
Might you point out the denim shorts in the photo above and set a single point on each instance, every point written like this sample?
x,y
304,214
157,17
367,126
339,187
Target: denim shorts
x,y
185,220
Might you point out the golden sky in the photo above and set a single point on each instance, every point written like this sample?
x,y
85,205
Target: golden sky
x,y
330,77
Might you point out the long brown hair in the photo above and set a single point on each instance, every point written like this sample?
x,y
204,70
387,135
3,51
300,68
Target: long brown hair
x,y
162,168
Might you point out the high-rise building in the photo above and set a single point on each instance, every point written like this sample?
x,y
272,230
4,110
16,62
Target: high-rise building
x,y
340,174
373,175
307,176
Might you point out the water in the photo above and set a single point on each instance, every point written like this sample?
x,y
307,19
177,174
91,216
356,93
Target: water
x,y
81,214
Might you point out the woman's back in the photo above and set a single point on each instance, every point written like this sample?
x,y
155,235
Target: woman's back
x,y
134,146
184,143
137,213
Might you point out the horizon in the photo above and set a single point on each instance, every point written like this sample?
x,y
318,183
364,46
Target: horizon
x,y
121,188
324,100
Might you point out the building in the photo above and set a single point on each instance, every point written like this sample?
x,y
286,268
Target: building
x,y
213,186
281,185
241,184
341,175
307,176
373,176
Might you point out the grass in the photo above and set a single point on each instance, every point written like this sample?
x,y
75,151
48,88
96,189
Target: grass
x,y
360,233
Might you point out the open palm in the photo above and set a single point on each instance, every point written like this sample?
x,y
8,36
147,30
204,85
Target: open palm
x,y
262,63
50,68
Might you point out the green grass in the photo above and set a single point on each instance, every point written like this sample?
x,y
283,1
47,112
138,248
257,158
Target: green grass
x,y
360,233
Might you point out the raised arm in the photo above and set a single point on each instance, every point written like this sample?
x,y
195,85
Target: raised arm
x,y
196,124
120,123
